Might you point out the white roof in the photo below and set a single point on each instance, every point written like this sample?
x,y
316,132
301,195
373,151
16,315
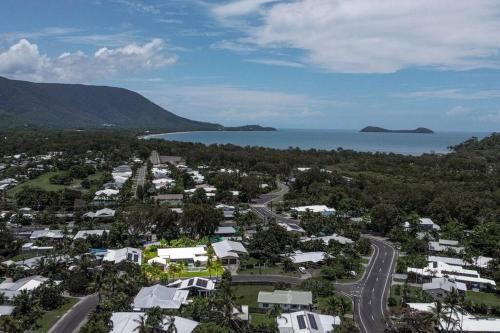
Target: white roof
x,y
314,257
120,255
227,248
85,233
11,288
178,253
444,284
285,297
196,282
107,192
6,310
225,230
440,269
292,227
481,262
466,322
326,239
127,322
161,296
47,234
314,209
306,322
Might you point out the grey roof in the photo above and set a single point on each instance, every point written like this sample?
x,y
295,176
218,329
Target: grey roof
x,y
6,310
285,297
228,248
127,322
85,233
171,196
58,234
225,230
161,296
11,288
444,284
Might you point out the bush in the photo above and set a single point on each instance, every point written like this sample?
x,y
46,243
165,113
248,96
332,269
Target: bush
x,y
392,301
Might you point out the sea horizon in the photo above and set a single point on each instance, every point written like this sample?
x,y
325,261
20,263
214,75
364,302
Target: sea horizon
x,y
330,139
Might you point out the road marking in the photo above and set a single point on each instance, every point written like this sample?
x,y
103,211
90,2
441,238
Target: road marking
x,y
387,279
373,318
376,279
370,302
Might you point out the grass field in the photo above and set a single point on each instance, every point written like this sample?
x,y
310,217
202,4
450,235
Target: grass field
x,y
260,318
247,294
415,294
267,271
489,299
43,182
51,317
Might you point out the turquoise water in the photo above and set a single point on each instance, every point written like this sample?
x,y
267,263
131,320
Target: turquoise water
x,y
403,143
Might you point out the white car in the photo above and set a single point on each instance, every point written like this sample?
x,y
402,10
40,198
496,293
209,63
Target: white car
x,y
303,270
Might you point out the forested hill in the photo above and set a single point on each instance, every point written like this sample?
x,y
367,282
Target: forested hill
x,y
71,106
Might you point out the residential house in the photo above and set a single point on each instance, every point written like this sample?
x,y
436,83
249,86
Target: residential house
x,y
169,199
83,234
306,322
480,261
308,257
293,228
160,296
185,254
11,288
47,234
426,224
198,286
125,254
440,287
128,322
445,245
315,209
102,214
326,239
288,300
229,251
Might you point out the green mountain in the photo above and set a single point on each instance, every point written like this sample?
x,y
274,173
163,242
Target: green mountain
x,y
71,106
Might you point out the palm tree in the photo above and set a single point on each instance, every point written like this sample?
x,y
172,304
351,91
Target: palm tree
x,y
170,323
453,302
154,319
142,327
275,311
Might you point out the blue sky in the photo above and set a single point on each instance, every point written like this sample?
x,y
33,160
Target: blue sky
x,y
289,64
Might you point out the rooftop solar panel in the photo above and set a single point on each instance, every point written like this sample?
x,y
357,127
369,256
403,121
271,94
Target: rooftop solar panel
x,y
301,321
201,283
312,321
190,283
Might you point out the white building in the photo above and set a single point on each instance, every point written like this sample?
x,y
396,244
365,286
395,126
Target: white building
x,y
440,287
439,269
104,213
308,257
189,254
288,300
125,254
326,239
465,322
425,223
160,296
292,227
127,322
83,234
196,285
229,251
47,234
11,289
445,245
306,322
315,209
480,262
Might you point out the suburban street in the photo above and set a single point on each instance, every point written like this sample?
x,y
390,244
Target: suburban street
x,y
369,294
140,179
75,317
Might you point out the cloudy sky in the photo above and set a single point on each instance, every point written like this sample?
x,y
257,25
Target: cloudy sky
x,y
284,63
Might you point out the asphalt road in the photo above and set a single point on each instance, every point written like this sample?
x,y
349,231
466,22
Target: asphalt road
x,y
369,294
73,319
141,178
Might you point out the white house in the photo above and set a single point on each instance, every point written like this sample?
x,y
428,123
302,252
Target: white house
x,y
128,322
445,245
197,285
229,251
104,213
315,209
125,254
440,287
308,257
480,262
288,300
160,296
47,234
292,227
11,289
306,322
106,195
326,239
439,269
189,254
425,223
83,234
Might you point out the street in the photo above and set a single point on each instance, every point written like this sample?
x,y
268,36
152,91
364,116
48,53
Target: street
x,y
74,318
369,294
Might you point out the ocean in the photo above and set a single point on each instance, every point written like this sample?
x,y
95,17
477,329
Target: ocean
x,y
401,143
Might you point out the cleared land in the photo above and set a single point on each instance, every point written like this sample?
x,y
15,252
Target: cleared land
x,y
489,299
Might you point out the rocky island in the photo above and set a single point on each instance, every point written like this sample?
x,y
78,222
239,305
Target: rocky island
x,y
374,129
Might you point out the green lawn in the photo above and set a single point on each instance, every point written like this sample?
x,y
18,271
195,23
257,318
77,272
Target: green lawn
x,y
260,318
43,182
275,270
415,295
212,273
489,299
247,294
51,317
23,256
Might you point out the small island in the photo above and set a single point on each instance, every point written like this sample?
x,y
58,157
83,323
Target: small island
x,y
374,129
249,128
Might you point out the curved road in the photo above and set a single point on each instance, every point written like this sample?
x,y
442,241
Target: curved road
x,y
369,294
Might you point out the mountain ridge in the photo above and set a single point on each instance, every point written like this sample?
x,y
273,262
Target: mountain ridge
x,y
79,106
375,129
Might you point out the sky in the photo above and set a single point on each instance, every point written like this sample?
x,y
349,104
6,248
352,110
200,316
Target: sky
x,y
340,64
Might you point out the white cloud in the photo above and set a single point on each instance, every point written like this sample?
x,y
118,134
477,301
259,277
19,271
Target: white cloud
x,y
275,62
451,94
239,8
23,60
366,36
491,117
235,46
